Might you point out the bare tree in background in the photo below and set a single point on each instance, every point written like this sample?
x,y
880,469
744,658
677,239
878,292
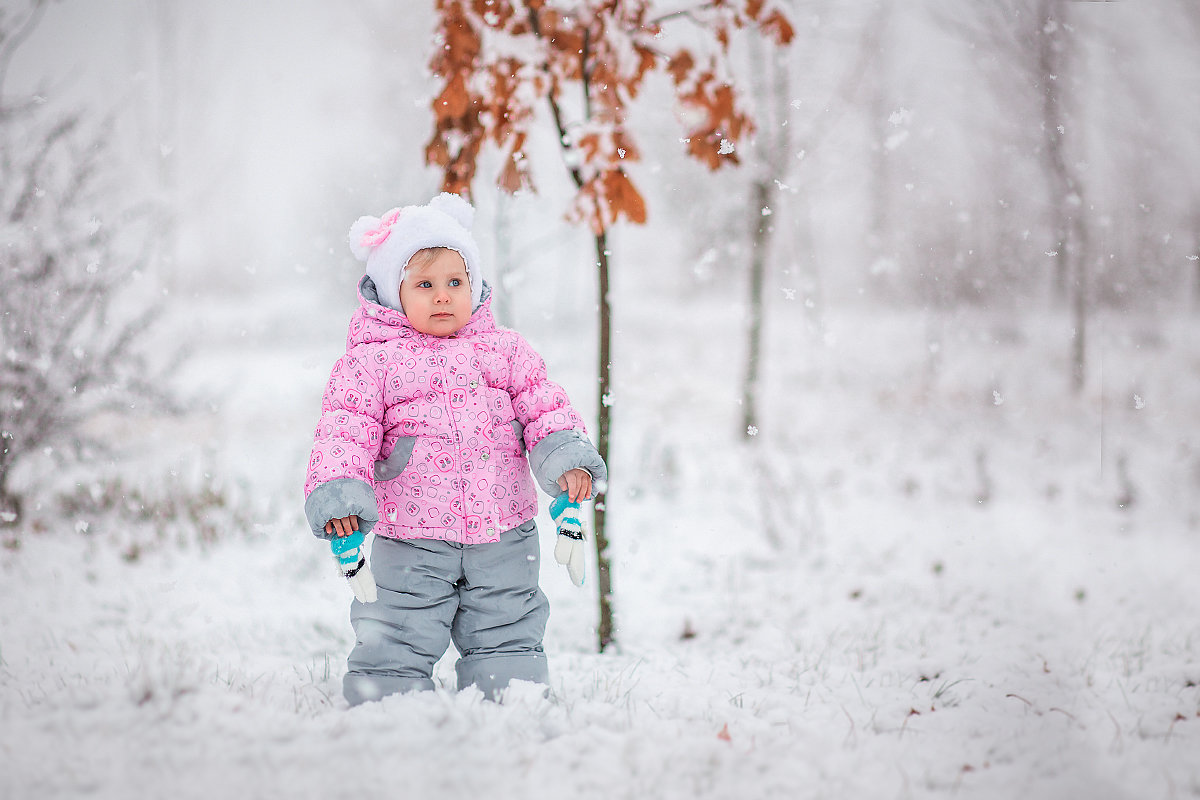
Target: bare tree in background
x,y
1034,49
1191,14
782,134
1053,45
770,86
880,108
68,348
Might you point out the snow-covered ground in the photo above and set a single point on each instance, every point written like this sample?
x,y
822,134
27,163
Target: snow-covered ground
x,y
933,573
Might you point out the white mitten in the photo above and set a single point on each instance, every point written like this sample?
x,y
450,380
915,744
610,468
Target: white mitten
x,y
351,560
569,545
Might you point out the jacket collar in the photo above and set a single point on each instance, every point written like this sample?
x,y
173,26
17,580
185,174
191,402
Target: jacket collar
x,y
374,322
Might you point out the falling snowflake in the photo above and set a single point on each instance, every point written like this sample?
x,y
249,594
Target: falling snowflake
x,y
726,147
751,430
895,140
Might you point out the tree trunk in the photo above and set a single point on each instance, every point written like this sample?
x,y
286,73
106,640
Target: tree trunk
x,y
878,106
606,632
1052,78
607,627
1196,260
1079,305
10,504
1066,194
772,87
1197,287
760,246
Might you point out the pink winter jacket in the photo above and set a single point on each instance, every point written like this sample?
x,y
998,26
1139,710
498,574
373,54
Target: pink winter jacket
x,y
432,428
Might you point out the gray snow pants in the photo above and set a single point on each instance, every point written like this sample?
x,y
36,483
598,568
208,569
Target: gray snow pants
x,y
484,597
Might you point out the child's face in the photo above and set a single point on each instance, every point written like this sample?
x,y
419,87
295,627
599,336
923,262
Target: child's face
x,y
436,294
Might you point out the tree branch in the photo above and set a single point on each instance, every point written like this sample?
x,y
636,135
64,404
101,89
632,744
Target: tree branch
x,y
685,13
33,171
555,110
9,45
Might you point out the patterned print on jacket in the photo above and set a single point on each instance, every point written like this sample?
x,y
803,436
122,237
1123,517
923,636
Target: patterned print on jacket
x,y
451,403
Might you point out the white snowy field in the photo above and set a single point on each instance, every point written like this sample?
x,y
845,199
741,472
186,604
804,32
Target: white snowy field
x,y
933,573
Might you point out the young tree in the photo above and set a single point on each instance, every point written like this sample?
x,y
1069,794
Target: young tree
x,y
587,60
67,348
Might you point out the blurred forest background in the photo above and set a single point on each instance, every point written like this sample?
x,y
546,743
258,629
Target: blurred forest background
x,y
923,152
1025,157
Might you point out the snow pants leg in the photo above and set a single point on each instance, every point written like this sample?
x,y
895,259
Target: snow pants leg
x,y
485,598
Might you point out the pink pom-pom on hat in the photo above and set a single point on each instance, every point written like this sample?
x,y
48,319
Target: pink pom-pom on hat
x,y
387,243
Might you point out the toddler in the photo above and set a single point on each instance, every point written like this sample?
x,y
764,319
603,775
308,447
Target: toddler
x,y
430,425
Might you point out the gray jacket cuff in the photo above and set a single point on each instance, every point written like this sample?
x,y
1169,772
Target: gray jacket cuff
x,y
340,498
560,452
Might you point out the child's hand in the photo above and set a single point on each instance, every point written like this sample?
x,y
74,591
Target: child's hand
x,y
577,483
352,565
342,527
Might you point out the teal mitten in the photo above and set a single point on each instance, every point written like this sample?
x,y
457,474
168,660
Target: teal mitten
x,y
569,546
351,561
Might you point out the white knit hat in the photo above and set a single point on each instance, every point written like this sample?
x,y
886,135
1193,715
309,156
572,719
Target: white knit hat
x,y
387,243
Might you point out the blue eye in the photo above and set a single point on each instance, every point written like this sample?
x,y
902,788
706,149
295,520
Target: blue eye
x,y
455,282
425,285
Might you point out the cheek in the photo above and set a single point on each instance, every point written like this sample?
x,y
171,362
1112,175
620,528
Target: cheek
x,y
412,301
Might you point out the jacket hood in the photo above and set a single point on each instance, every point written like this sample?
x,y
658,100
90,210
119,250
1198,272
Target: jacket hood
x,y
375,323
